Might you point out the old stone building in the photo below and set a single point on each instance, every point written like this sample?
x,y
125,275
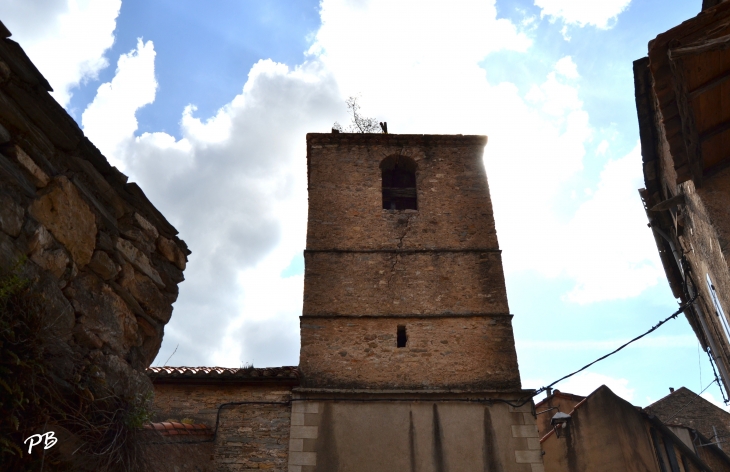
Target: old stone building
x,y
686,408
605,433
100,263
684,120
407,358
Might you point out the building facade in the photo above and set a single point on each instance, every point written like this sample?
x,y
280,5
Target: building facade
x,y
407,358
684,121
605,433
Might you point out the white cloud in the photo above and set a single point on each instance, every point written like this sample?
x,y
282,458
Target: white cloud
x,y
65,39
567,68
602,148
109,121
583,12
235,185
607,247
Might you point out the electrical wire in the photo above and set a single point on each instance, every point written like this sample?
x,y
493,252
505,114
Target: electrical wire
x,y
519,403
719,384
674,415
653,328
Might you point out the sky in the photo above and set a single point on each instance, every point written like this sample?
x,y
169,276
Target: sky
x,y
206,106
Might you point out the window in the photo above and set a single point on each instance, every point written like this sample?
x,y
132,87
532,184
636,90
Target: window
x,y
399,183
401,338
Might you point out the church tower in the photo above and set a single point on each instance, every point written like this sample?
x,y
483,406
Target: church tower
x,y
408,359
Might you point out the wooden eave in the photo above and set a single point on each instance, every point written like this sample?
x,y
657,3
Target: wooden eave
x,y
690,68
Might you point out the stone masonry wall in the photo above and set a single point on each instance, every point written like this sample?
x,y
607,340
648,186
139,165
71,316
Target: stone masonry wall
x,y
465,352
345,198
430,283
105,262
437,270
250,437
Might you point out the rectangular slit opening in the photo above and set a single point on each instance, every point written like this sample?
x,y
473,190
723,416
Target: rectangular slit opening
x,y
401,337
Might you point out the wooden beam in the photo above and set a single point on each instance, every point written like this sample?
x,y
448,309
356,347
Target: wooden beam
x,y
717,129
717,44
689,127
709,85
720,166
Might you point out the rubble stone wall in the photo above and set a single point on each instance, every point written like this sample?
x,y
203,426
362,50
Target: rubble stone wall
x,y
249,437
105,262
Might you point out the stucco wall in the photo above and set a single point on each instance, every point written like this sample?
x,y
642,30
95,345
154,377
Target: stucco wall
x,y
605,434
423,436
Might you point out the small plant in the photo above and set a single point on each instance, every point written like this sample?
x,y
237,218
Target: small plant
x,y
105,426
359,123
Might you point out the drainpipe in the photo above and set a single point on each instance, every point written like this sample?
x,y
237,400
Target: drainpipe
x,y
705,329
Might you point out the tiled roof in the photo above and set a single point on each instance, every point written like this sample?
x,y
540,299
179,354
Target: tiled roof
x,y
287,374
558,393
169,428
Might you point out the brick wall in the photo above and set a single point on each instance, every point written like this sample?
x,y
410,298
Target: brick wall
x,y
436,270
464,352
249,437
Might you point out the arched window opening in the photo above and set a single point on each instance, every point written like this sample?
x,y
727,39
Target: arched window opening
x,y
399,183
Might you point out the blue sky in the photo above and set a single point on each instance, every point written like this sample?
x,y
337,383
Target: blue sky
x,y
206,105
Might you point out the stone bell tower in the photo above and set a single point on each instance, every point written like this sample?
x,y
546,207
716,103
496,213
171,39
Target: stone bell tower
x,y
407,353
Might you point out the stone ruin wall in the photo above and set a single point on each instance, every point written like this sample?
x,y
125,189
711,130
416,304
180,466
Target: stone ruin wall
x,y
104,261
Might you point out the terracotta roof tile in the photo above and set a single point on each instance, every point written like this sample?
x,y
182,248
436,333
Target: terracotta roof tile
x,y
287,374
167,428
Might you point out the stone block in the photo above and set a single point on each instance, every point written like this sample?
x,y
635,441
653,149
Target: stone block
x,y
40,178
149,297
103,265
528,457
138,259
303,432
171,252
68,218
305,407
524,431
103,312
296,445
11,215
302,458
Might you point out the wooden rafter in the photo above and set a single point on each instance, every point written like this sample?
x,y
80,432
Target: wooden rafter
x,y
689,127
709,85
717,129
705,45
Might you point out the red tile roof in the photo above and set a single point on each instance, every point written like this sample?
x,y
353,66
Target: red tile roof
x,y
168,428
287,374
